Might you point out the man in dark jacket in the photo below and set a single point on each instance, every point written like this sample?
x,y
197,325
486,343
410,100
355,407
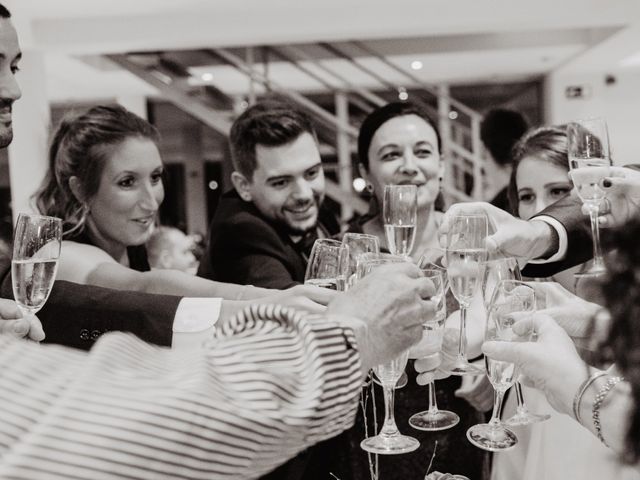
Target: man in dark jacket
x,y
264,229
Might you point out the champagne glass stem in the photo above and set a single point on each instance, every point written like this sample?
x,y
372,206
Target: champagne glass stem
x,y
462,341
389,428
433,405
522,407
594,212
498,397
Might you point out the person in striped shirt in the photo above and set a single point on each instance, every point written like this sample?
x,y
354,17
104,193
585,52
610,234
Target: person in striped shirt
x,y
269,383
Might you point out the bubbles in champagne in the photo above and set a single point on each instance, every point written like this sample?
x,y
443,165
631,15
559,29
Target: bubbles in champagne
x,y
32,282
586,174
400,238
465,272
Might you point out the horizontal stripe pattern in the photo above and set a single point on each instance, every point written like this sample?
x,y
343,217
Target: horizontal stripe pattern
x,y
268,384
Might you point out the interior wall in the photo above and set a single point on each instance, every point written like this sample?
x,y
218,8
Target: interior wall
x,y
613,96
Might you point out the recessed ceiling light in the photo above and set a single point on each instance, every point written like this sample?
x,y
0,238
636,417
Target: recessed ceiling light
x,y
207,77
453,114
416,64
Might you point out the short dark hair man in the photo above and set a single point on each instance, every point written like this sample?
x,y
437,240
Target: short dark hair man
x,y
263,230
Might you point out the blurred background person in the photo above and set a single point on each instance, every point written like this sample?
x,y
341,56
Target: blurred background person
x,y
500,130
170,249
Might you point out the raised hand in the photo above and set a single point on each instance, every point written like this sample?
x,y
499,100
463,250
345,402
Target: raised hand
x,y
508,235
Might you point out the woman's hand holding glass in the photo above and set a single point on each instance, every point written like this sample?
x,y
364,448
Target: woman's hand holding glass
x,y
512,303
496,271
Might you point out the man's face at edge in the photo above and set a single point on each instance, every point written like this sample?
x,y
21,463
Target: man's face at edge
x,y
10,55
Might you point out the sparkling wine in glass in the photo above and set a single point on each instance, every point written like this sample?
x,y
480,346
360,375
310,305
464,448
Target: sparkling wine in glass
x,y
512,302
326,264
400,214
36,249
434,419
358,244
466,255
495,271
589,164
389,441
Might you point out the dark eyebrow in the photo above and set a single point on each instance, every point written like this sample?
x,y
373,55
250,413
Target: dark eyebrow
x,y
281,177
561,183
388,145
319,164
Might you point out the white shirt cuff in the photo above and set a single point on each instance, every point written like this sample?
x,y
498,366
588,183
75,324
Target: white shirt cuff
x,y
562,239
194,321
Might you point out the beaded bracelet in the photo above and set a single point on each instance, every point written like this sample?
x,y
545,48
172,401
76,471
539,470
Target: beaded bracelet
x,y
577,400
602,394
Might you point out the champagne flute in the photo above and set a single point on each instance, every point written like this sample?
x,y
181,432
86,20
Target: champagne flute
x,y
495,271
362,263
358,244
400,214
36,249
589,164
466,254
511,302
389,441
326,265
434,419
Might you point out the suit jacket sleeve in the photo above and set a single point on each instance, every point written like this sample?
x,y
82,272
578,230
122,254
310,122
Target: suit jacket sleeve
x,y
247,252
76,315
568,212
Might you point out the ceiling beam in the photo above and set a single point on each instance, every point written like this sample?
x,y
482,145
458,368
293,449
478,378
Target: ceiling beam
x,y
174,94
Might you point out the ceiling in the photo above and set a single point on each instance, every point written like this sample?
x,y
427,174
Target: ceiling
x,y
457,41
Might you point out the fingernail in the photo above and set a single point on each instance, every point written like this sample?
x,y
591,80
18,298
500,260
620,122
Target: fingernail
x,y
606,183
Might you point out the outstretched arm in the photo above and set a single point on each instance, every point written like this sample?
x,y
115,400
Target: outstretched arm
x,y
236,409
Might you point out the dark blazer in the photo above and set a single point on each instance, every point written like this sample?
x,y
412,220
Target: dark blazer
x,y
244,247
76,315
580,245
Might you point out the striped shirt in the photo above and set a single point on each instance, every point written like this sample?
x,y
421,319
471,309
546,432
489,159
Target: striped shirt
x,y
269,384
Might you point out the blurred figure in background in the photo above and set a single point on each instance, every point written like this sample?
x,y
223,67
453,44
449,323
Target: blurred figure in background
x,y
500,130
170,249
